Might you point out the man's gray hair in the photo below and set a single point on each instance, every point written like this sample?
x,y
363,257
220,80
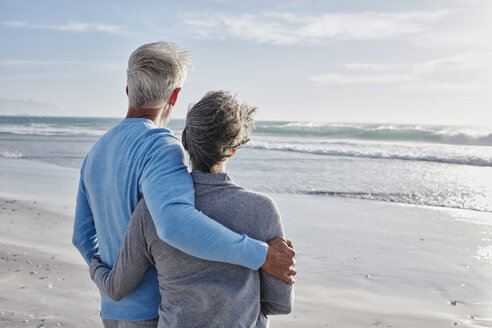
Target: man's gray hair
x,y
214,125
154,71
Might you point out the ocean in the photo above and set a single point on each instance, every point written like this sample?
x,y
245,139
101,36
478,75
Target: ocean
x,y
444,166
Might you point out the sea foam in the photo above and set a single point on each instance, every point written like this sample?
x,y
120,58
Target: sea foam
x,y
11,154
471,155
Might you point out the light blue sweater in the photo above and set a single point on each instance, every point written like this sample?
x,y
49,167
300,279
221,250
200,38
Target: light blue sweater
x,y
133,159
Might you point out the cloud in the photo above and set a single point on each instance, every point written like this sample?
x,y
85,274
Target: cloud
x,y
289,29
69,27
35,63
43,76
86,65
467,25
471,69
52,69
359,79
448,70
368,67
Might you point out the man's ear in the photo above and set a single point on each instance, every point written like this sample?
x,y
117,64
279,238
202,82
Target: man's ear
x,y
174,97
127,90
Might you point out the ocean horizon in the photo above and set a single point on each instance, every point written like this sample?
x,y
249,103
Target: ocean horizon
x,y
431,165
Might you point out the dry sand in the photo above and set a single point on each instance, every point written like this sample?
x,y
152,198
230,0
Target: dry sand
x,y
360,263
42,283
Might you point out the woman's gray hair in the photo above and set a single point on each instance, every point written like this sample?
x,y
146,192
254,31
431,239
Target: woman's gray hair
x,y
214,125
154,71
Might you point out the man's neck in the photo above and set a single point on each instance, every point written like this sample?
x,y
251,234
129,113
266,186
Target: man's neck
x,y
153,114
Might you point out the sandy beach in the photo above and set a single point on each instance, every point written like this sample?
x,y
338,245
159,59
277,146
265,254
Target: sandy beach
x,y
369,123
360,263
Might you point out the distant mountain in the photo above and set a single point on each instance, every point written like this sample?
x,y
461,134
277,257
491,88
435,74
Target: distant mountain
x,y
28,108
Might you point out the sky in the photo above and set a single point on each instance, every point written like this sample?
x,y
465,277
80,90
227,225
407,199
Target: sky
x,y
392,61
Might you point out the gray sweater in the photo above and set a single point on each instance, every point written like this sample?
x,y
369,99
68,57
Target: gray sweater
x,y
196,292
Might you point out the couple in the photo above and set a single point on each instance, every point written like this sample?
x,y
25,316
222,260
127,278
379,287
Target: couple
x,y
185,250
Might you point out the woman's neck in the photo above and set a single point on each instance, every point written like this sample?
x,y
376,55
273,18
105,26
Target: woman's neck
x,y
217,168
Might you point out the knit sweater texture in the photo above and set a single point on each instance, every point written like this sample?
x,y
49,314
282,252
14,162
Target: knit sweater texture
x,y
196,292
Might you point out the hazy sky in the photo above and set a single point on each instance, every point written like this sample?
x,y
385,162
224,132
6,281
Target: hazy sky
x,y
392,61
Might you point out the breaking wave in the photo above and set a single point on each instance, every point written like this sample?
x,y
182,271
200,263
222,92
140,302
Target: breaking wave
x,y
472,155
418,133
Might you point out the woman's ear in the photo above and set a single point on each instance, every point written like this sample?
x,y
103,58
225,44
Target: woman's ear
x,y
233,151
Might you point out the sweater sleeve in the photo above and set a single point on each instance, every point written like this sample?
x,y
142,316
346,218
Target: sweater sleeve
x,y
276,296
168,189
133,260
84,236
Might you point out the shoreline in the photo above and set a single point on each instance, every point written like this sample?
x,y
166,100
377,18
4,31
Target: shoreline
x,y
71,176
361,263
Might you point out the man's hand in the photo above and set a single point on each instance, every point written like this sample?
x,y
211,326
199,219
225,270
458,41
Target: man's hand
x,y
280,260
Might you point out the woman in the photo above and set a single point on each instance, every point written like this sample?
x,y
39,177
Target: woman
x,y
195,292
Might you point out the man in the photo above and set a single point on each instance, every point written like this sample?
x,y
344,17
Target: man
x,y
139,157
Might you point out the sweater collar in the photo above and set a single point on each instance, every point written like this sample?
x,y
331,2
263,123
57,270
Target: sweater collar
x,y
137,120
220,178
148,123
